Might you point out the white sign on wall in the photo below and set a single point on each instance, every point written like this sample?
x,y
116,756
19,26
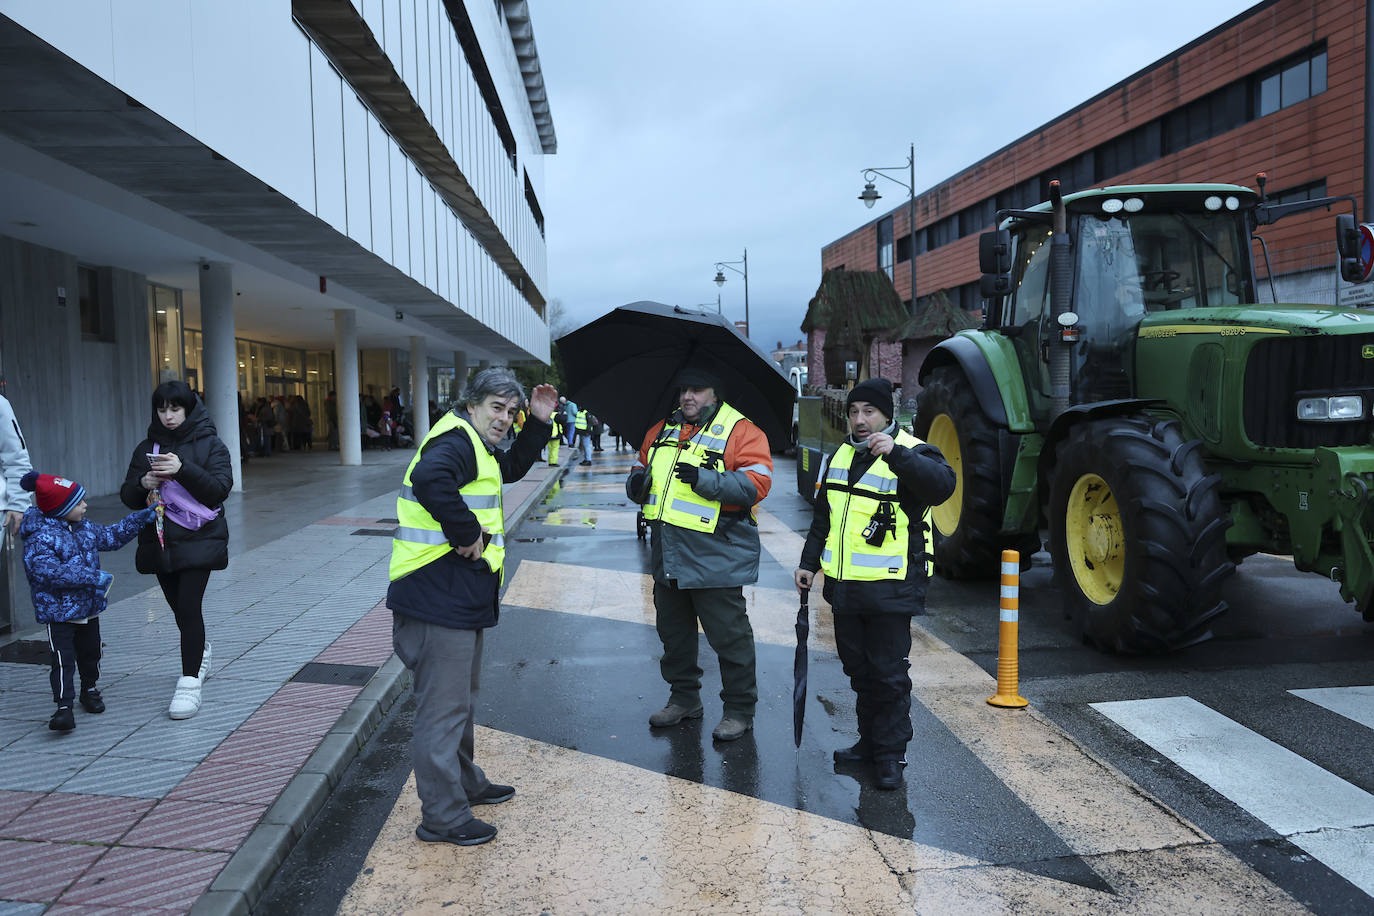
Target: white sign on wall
x,y
1357,295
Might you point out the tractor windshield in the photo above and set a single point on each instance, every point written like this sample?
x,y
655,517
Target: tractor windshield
x,y
1147,262
1131,264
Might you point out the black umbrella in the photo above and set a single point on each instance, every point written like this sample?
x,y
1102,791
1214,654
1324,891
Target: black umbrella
x,y
799,668
621,367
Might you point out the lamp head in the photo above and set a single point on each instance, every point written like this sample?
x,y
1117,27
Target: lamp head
x,y
870,195
720,278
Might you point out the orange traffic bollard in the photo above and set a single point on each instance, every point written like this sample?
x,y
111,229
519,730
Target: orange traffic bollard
x,y
1008,671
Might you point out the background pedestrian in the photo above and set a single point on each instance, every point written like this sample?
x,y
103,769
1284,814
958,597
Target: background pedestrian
x,y
191,472
14,464
62,562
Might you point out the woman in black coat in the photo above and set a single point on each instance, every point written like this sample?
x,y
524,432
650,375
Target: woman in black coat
x,y
189,452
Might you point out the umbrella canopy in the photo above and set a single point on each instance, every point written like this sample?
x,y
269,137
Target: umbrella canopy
x,y
622,366
799,670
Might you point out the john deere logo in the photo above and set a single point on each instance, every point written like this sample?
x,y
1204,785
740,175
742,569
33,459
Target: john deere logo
x,y
1367,351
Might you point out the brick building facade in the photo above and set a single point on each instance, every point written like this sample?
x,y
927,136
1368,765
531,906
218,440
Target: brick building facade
x,y
1279,88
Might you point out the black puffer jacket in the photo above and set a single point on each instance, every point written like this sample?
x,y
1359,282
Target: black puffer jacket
x,y
206,473
924,479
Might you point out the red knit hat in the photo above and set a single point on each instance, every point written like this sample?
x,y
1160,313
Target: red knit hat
x,y
56,496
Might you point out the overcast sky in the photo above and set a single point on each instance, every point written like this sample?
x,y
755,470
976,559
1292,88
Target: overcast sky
x,y
690,130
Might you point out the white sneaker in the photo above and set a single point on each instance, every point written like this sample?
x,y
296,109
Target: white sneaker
x,y
185,699
205,663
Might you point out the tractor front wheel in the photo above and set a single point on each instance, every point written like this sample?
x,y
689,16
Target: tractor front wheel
x,y
1138,535
966,525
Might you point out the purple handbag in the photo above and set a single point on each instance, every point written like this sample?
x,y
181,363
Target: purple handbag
x,y
181,507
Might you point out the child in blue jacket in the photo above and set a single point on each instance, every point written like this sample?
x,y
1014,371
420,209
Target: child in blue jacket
x,y
62,560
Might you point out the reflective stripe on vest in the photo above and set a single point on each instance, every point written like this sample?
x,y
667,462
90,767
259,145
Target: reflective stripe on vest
x,y
847,555
419,539
672,501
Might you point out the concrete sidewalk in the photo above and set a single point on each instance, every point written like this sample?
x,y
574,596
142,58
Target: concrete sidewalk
x,y
133,812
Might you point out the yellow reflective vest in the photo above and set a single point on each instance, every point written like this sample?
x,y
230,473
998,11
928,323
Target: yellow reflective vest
x,y
671,500
582,425
859,512
419,539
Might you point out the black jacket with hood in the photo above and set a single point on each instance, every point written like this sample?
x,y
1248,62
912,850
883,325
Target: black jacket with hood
x,y
206,473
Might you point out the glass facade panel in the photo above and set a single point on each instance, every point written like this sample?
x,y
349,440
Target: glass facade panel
x,y
1296,84
192,353
1319,73
164,331
1268,101
885,246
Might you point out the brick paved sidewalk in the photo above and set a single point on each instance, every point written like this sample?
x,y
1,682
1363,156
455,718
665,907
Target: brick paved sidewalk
x,y
134,812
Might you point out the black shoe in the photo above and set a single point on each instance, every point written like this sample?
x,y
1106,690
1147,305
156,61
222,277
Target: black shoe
x,y
92,702
887,774
858,752
473,833
586,462
63,720
494,795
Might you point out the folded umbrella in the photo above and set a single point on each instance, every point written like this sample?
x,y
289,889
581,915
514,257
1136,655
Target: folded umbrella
x,y
799,668
622,367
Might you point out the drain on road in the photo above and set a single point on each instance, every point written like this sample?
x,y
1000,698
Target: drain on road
x,y
325,673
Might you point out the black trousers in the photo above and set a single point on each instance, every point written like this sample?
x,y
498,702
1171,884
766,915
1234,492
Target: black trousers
x,y
73,647
185,591
873,651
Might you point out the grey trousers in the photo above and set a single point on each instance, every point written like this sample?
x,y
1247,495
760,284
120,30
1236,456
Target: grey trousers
x,y
447,665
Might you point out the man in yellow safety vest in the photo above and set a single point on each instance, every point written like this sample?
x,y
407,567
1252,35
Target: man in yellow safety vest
x,y
447,562
871,537
700,474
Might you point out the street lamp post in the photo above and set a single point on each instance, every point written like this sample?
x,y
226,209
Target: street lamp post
x,y
720,281
870,196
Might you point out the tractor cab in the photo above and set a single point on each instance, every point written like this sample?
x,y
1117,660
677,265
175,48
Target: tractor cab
x,y
1131,253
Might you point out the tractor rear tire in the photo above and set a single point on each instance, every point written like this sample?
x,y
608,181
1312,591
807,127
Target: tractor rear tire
x,y
1138,535
966,525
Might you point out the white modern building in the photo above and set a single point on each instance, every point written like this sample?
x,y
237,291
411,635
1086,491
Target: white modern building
x,y
262,197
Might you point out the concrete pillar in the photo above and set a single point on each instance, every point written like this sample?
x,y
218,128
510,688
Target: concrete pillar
x,y
346,384
221,380
419,388
483,364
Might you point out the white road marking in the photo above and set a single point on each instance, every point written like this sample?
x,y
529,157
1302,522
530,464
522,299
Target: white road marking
x,y
1313,809
1355,703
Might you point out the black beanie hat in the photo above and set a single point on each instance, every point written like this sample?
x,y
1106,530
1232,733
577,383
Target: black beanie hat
x,y
876,391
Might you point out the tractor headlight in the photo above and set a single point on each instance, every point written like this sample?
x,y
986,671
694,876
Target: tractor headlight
x,y
1344,407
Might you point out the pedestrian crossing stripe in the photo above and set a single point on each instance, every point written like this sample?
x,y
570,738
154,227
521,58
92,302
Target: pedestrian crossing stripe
x,y
1354,703
1315,810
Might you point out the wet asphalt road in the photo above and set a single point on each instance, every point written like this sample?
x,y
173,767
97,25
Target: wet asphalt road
x,y
587,683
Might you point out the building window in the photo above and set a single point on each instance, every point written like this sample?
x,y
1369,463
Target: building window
x,y
885,246
533,203
97,311
1310,191
904,249
1290,82
164,332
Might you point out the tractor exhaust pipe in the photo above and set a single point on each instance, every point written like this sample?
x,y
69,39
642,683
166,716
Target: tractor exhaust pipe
x,y
1061,294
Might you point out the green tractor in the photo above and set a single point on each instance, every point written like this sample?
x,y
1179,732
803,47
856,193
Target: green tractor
x,y
1127,394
